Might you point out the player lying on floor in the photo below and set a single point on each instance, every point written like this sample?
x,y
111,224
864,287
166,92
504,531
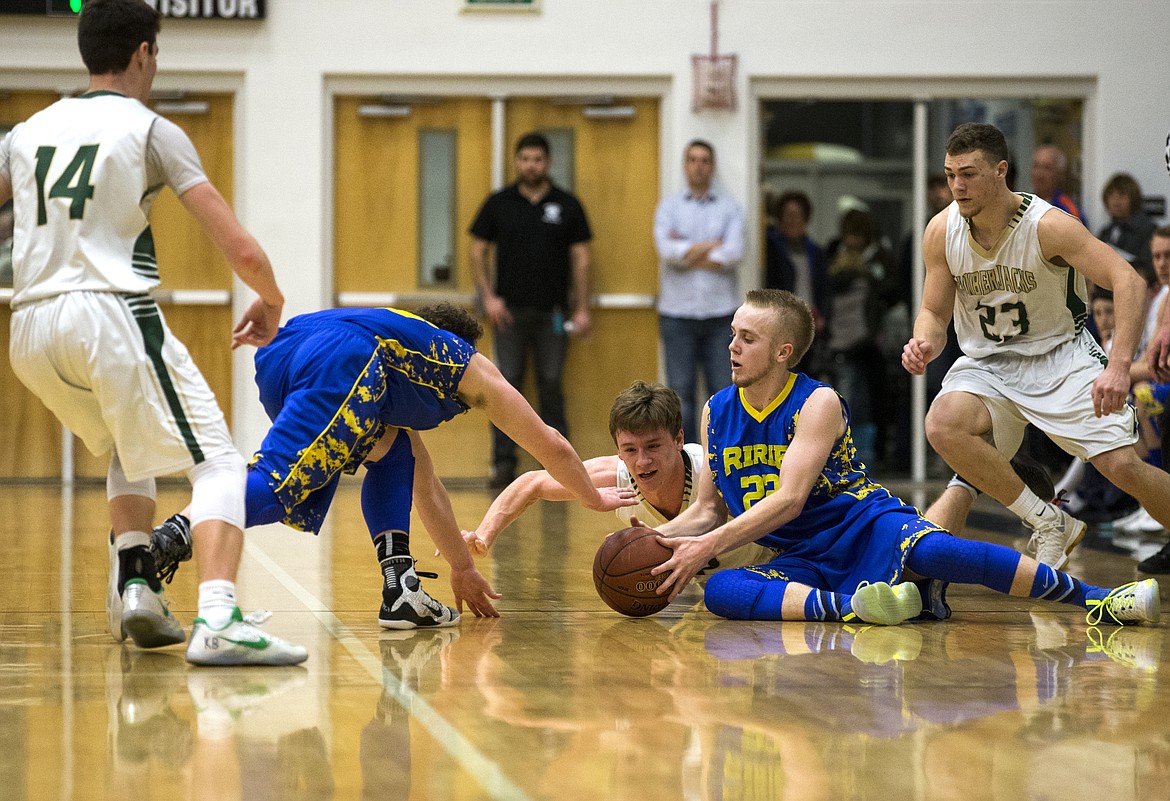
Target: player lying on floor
x,y
645,422
781,461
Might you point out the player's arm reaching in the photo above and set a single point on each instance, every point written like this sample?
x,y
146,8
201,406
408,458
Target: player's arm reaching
x,y
1066,242
434,509
533,486
820,425
247,259
484,387
938,300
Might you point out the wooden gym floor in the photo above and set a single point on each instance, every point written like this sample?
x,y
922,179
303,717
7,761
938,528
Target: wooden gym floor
x,y
560,698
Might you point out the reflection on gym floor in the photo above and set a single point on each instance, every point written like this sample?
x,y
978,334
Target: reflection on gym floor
x,y
559,698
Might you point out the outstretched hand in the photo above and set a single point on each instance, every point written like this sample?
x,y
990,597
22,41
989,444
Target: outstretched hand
x,y
258,326
477,546
471,587
613,498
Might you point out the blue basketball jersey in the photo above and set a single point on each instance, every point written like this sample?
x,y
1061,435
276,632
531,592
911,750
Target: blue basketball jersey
x,y
850,529
333,382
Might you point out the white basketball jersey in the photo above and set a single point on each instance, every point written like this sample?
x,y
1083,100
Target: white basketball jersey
x,y
692,461
79,185
1009,298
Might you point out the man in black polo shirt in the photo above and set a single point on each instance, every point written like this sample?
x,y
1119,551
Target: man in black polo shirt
x,y
541,239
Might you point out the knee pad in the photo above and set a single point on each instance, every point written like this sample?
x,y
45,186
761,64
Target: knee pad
x,y
736,594
117,485
217,490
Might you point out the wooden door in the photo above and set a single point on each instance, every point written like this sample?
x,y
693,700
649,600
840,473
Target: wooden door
x,y
615,175
30,440
378,201
30,436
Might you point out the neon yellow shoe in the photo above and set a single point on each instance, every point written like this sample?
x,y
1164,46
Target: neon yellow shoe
x,y
885,605
1136,602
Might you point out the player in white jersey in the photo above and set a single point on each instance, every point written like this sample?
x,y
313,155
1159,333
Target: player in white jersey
x,y
1011,272
652,461
88,339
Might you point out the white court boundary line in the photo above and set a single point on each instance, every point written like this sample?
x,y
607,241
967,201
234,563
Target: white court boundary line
x,y
485,771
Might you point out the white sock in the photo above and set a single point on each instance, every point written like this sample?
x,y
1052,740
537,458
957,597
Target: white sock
x,y
217,601
131,539
1031,509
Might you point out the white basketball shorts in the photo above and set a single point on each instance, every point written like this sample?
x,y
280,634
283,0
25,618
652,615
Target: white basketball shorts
x,y
112,372
1052,391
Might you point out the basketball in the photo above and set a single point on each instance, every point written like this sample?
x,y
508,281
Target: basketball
x,y
621,571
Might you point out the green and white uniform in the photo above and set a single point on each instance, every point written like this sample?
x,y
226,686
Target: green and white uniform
x,y
1020,321
86,336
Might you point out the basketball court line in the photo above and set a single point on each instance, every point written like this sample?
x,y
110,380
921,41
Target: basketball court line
x,y
485,771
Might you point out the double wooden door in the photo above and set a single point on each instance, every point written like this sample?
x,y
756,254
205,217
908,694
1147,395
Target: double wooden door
x,y
610,161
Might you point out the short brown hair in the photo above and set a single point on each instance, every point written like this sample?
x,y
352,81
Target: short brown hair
x,y
971,136
795,318
776,203
1123,183
644,407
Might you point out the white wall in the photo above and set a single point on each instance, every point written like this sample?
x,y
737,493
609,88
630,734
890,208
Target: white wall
x,y
285,68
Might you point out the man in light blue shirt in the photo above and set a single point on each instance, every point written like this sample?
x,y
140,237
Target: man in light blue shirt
x,y
699,237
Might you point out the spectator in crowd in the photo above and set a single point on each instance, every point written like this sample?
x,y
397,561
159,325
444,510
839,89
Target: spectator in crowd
x,y
793,261
1129,229
1049,176
860,279
699,235
541,238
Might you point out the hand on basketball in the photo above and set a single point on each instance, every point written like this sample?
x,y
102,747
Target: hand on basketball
x,y
916,354
691,554
613,498
471,587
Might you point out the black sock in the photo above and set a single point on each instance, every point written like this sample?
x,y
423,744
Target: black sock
x,y
399,545
137,562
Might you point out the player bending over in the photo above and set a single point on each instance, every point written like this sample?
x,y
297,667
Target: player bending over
x,y
781,460
347,388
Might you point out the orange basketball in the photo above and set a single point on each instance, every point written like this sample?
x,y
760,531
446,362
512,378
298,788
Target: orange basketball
x,y
621,571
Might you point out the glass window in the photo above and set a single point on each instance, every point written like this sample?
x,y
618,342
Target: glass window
x,y
436,207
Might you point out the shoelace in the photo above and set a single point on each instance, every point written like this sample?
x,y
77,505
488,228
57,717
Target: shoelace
x,y
1115,603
